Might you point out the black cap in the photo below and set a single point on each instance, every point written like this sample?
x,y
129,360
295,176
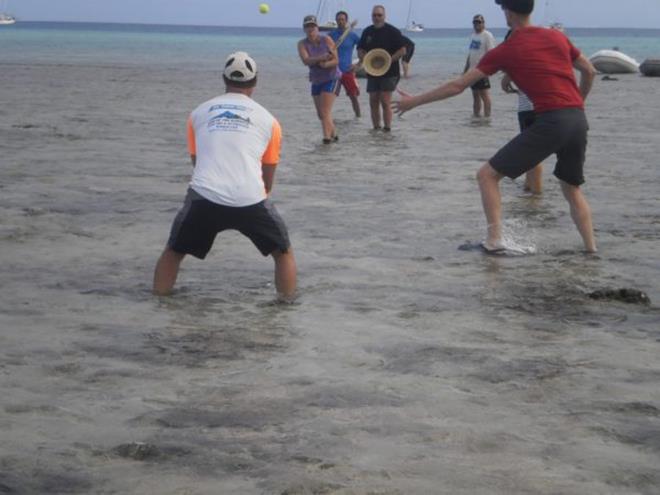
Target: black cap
x,y
517,6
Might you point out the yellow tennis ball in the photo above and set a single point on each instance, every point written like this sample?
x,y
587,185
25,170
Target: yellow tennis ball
x,y
264,8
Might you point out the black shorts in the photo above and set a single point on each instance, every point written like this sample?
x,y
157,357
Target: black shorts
x,y
382,83
200,220
481,84
526,119
563,132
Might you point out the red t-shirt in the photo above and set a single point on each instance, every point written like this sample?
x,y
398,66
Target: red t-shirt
x,y
540,62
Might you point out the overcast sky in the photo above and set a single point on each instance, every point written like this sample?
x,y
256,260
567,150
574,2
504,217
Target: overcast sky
x,y
289,13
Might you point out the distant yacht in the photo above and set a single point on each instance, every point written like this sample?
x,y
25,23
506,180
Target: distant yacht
x,y
412,26
556,25
552,25
328,26
325,14
5,19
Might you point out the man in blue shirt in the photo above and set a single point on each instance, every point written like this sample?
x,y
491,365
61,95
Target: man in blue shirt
x,y
346,39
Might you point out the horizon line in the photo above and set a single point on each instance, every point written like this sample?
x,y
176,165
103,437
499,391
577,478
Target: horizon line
x,y
18,21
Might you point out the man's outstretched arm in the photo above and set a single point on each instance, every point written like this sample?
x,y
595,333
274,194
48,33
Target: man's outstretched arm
x,y
442,92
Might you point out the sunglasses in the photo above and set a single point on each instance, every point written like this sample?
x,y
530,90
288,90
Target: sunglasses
x,y
376,15
477,22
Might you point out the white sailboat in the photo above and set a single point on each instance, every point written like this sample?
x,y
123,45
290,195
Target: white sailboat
x,y
5,18
412,26
554,24
325,14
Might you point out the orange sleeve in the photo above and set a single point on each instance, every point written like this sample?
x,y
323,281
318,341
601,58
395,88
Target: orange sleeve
x,y
272,154
192,147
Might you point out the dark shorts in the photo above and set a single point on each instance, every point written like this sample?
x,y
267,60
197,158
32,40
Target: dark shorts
x,y
200,220
526,119
409,53
481,84
375,84
563,132
325,87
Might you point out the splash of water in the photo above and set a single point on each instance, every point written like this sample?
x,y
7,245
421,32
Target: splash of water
x,y
518,237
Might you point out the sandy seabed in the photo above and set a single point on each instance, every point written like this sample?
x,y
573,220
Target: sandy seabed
x,y
407,366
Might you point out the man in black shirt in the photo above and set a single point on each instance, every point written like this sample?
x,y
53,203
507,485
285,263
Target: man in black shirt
x,y
382,35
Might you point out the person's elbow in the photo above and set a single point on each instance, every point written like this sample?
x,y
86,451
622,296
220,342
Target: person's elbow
x,y
587,70
305,58
591,72
585,67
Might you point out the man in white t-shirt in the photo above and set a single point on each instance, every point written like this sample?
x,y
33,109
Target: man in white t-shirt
x,y
481,42
234,145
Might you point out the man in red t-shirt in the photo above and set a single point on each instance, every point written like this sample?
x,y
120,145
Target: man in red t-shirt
x,y
540,61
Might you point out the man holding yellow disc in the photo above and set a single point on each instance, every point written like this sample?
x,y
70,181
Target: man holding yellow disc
x,y
384,36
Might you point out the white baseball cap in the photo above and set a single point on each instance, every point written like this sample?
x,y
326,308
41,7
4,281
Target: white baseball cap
x,y
240,67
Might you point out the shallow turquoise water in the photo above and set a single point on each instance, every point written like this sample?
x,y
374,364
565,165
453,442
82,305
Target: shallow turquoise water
x,y
184,45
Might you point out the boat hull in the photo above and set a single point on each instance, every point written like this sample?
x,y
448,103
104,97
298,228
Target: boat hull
x,y
614,62
414,28
650,67
328,26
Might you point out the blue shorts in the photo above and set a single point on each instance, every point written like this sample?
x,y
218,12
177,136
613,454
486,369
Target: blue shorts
x,y
325,87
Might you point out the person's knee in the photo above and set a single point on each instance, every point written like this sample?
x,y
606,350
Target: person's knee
x,y
482,173
169,255
571,192
283,256
487,174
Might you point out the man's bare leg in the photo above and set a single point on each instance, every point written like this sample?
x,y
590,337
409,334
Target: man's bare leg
x,y
581,214
285,274
356,105
374,105
485,98
534,180
489,185
476,103
167,269
386,103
